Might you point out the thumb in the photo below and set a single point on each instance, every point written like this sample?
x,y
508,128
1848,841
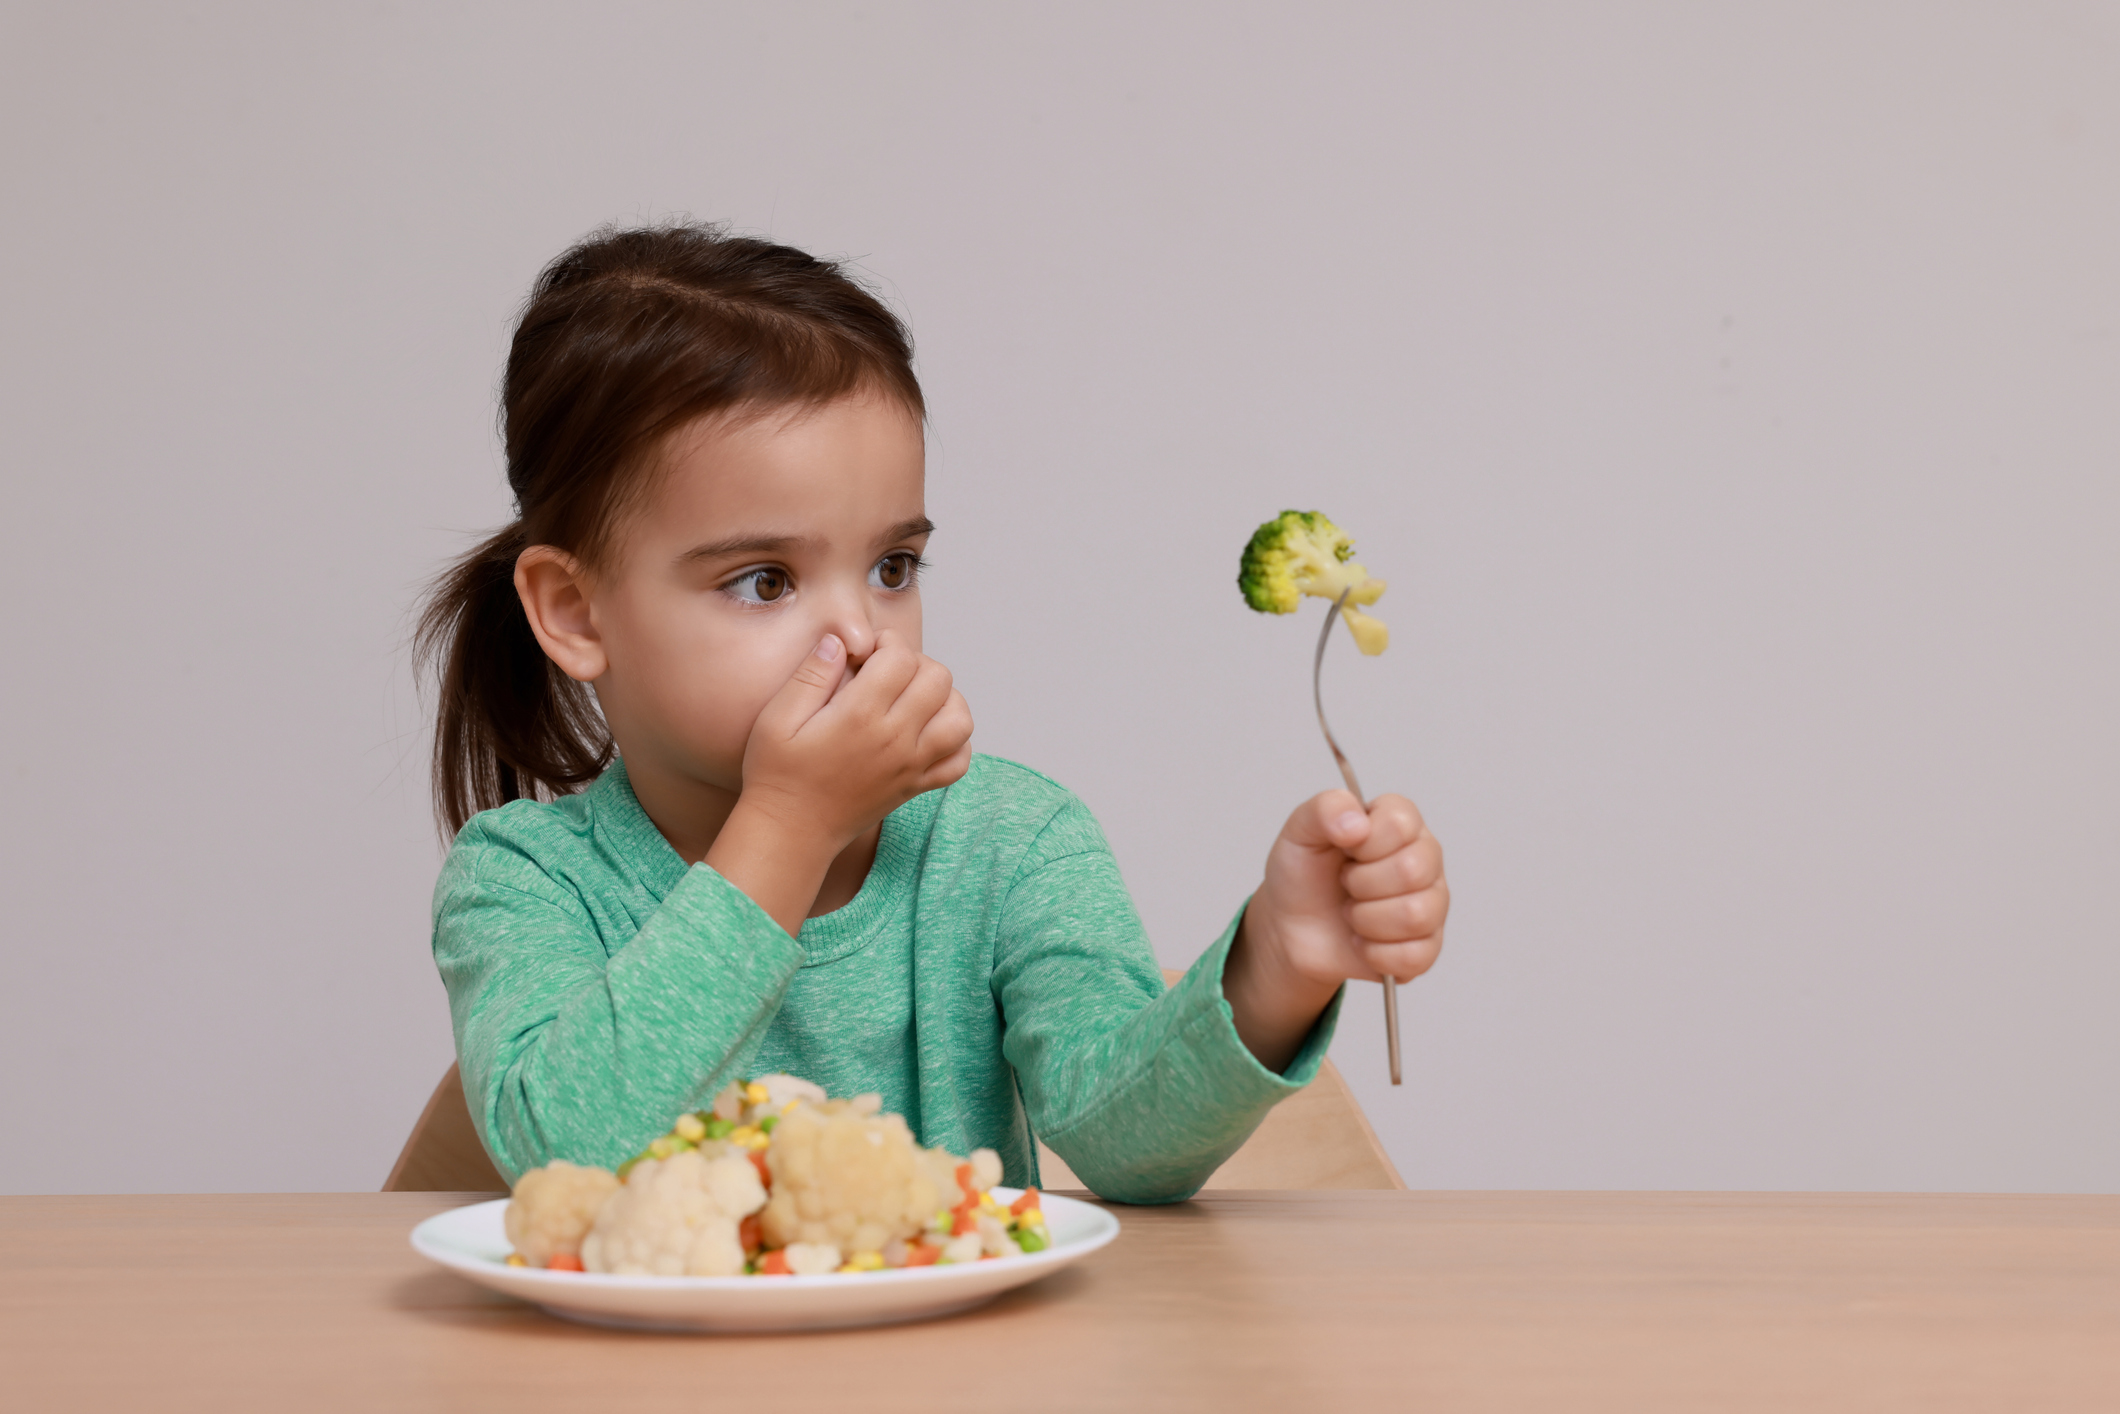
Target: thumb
x,y
1330,820
812,683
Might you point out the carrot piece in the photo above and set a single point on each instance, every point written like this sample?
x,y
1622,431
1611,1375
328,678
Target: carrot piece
x,y
1024,1204
565,1262
758,1160
922,1254
963,1219
751,1233
775,1264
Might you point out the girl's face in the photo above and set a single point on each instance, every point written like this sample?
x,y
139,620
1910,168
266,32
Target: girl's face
x,y
763,535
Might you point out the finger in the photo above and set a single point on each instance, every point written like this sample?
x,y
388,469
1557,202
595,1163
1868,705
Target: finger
x,y
1330,820
948,732
810,686
1403,871
922,697
949,770
1393,824
1403,961
884,674
1402,917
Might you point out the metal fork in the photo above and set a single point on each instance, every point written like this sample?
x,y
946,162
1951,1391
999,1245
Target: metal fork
x,y
1317,695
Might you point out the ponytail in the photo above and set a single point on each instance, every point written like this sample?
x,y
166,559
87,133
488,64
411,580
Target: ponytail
x,y
625,338
510,725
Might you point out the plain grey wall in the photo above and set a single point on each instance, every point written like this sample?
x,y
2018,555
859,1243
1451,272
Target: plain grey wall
x,y
1728,393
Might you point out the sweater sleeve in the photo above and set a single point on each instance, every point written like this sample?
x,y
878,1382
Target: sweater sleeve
x,y
1144,1092
571,1052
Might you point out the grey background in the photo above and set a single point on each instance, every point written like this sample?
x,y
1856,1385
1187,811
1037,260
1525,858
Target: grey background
x,y
1727,392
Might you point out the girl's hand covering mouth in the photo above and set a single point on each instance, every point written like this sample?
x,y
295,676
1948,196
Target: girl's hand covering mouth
x,y
835,753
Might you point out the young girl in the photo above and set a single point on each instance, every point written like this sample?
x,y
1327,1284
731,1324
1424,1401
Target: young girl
x,y
717,815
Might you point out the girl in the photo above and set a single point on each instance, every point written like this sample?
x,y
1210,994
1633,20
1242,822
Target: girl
x,y
761,840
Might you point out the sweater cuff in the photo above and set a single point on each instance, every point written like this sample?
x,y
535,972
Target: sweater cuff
x,y
735,953
706,899
1207,1014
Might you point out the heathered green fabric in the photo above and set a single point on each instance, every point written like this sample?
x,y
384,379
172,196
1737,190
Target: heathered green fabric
x,y
991,980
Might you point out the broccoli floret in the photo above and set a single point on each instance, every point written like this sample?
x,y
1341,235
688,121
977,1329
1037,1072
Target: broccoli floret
x,y
1301,552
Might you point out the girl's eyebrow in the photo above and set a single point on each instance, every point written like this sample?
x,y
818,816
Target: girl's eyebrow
x,y
780,544
745,545
907,529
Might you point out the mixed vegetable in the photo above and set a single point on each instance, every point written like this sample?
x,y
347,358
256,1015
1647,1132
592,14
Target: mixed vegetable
x,y
775,1179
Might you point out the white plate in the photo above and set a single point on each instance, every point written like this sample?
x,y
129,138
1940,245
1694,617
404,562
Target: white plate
x,y
471,1241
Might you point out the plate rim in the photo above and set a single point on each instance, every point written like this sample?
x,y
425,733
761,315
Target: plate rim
x,y
424,1242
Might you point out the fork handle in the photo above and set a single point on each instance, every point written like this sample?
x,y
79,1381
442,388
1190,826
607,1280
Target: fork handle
x,y
1317,695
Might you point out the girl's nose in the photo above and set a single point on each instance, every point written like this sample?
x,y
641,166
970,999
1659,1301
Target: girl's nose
x,y
850,619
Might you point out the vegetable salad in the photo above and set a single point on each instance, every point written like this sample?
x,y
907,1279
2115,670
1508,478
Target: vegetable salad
x,y
775,1179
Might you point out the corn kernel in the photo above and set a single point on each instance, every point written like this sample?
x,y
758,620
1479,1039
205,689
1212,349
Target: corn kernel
x,y
1031,1217
756,1093
864,1262
516,1259
690,1127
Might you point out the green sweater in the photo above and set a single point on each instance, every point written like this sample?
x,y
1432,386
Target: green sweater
x,y
991,980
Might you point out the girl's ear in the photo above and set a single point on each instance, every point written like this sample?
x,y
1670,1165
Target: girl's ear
x,y
554,588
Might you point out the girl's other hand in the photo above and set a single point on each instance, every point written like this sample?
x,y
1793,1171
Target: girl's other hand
x,y
1348,894
833,752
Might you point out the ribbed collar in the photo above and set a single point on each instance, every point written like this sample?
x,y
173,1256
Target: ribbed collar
x,y
630,835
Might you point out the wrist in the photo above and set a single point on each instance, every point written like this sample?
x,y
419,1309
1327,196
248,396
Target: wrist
x,y
790,820
1274,1002
779,860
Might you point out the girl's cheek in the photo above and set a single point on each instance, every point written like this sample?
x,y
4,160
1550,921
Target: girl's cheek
x,y
903,616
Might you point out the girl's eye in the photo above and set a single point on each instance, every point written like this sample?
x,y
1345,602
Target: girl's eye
x,y
760,586
896,571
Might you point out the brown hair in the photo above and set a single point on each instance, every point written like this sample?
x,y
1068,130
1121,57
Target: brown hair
x,y
625,338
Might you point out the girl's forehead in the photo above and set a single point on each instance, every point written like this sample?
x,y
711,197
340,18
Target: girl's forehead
x,y
852,467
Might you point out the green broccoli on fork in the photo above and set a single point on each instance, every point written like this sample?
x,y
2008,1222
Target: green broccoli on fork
x,y
1301,552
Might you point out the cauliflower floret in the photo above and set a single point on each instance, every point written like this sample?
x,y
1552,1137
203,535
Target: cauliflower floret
x,y
553,1208
845,1175
784,1090
812,1259
994,1240
942,1168
676,1217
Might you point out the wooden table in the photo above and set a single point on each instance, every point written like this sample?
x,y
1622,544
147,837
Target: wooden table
x,y
1282,1301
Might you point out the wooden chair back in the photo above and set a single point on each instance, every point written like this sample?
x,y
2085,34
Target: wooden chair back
x,y
1316,1138
443,1153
